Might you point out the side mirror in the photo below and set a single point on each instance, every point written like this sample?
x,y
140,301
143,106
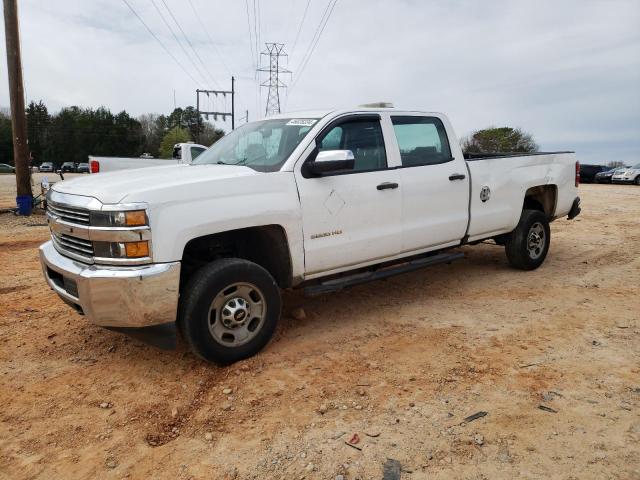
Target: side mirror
x,y
331,161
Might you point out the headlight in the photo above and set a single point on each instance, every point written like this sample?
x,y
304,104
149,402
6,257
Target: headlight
x,y
121,249
131,218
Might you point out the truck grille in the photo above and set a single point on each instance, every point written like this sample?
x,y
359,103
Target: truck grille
x,y
69,214
75,247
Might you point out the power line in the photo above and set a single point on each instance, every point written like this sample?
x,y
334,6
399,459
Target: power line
x,y
206,30
189,42
304,16
315,34
160,42
313,45
184,50
253,55
255,29
260,37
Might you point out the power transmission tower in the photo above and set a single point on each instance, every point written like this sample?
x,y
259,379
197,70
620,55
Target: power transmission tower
x,y
274,51
16,94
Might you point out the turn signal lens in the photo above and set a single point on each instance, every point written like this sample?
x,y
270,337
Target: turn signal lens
x,y
137,249
135,218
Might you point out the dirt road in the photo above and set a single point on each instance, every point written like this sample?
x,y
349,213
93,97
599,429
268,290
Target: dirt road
x,y
400,363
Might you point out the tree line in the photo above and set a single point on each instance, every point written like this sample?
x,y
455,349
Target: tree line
x,y
74,133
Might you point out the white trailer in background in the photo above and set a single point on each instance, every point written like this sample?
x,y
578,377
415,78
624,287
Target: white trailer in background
x,y
183,153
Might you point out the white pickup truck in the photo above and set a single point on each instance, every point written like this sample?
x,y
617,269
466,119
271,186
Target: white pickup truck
x,y
182,153
318,200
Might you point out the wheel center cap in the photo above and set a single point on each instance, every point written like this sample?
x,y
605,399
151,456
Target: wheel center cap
x,y
235,312
535,238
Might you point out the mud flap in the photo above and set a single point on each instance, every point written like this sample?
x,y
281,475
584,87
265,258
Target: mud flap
x,y
575,209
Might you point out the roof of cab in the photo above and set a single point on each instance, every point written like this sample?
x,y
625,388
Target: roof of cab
x,y
323,113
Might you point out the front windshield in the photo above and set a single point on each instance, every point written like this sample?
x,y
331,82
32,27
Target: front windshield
x,y
636,167
264,145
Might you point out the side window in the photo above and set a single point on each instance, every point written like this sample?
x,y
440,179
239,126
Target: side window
x,y
422,140
332,140
195,151
363,138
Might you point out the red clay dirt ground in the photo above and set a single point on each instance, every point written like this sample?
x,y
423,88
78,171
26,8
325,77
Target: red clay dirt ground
x,y
400,363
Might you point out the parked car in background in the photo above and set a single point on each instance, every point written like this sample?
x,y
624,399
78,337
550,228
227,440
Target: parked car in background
x,y
83,168
5,168
183,153
628,175
47,167
605,177
68,167
588,172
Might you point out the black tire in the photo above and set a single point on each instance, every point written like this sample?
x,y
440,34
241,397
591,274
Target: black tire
x,y
196,305
637,180
520,245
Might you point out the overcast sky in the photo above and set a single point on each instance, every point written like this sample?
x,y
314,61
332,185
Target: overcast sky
x,y
567,71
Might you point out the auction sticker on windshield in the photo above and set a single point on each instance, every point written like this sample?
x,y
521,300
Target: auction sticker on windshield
x,y
302,122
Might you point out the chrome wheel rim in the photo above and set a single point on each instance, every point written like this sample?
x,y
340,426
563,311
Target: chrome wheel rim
x,y
237,314
536,240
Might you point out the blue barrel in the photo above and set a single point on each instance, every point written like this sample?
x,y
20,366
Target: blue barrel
x,y
25,204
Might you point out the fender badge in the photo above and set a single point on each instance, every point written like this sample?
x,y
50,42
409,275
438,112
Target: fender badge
x,y
485,194
326,234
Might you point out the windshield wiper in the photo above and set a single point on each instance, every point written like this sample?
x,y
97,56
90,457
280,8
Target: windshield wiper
x,y
242,161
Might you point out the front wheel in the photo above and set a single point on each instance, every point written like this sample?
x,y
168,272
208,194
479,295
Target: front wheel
x,y
637,180
229,310
527,246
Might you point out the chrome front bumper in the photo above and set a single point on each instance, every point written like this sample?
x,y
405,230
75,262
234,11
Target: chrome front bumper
x,y
114,296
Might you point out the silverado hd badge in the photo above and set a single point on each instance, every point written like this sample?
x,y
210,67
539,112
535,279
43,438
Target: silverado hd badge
x,y
326,234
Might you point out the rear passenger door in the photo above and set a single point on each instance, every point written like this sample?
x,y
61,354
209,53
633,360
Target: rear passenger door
x,y
434,185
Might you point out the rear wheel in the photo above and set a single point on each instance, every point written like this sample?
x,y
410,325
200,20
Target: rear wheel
x,y
527,246
229,310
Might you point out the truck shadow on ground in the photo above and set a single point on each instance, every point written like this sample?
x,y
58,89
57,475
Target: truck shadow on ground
x,y
357,305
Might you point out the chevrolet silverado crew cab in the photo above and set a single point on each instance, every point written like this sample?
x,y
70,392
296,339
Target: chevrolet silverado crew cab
x,y
317,200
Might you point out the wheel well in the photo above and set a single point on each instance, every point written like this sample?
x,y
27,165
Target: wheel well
x,y
543,198
265,245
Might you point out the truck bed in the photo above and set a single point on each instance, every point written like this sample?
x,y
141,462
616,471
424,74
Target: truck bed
x,y
508,176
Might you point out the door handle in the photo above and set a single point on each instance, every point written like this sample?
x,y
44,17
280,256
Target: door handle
x,y
457,176
387,186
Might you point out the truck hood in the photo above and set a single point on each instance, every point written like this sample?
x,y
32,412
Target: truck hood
x,y
115,187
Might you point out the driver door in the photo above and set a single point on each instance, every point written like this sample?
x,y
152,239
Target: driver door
x,y
352,217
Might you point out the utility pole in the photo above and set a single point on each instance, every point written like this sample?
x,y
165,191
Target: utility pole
x,y
233,106
245,118
16,94
215,114
274,51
